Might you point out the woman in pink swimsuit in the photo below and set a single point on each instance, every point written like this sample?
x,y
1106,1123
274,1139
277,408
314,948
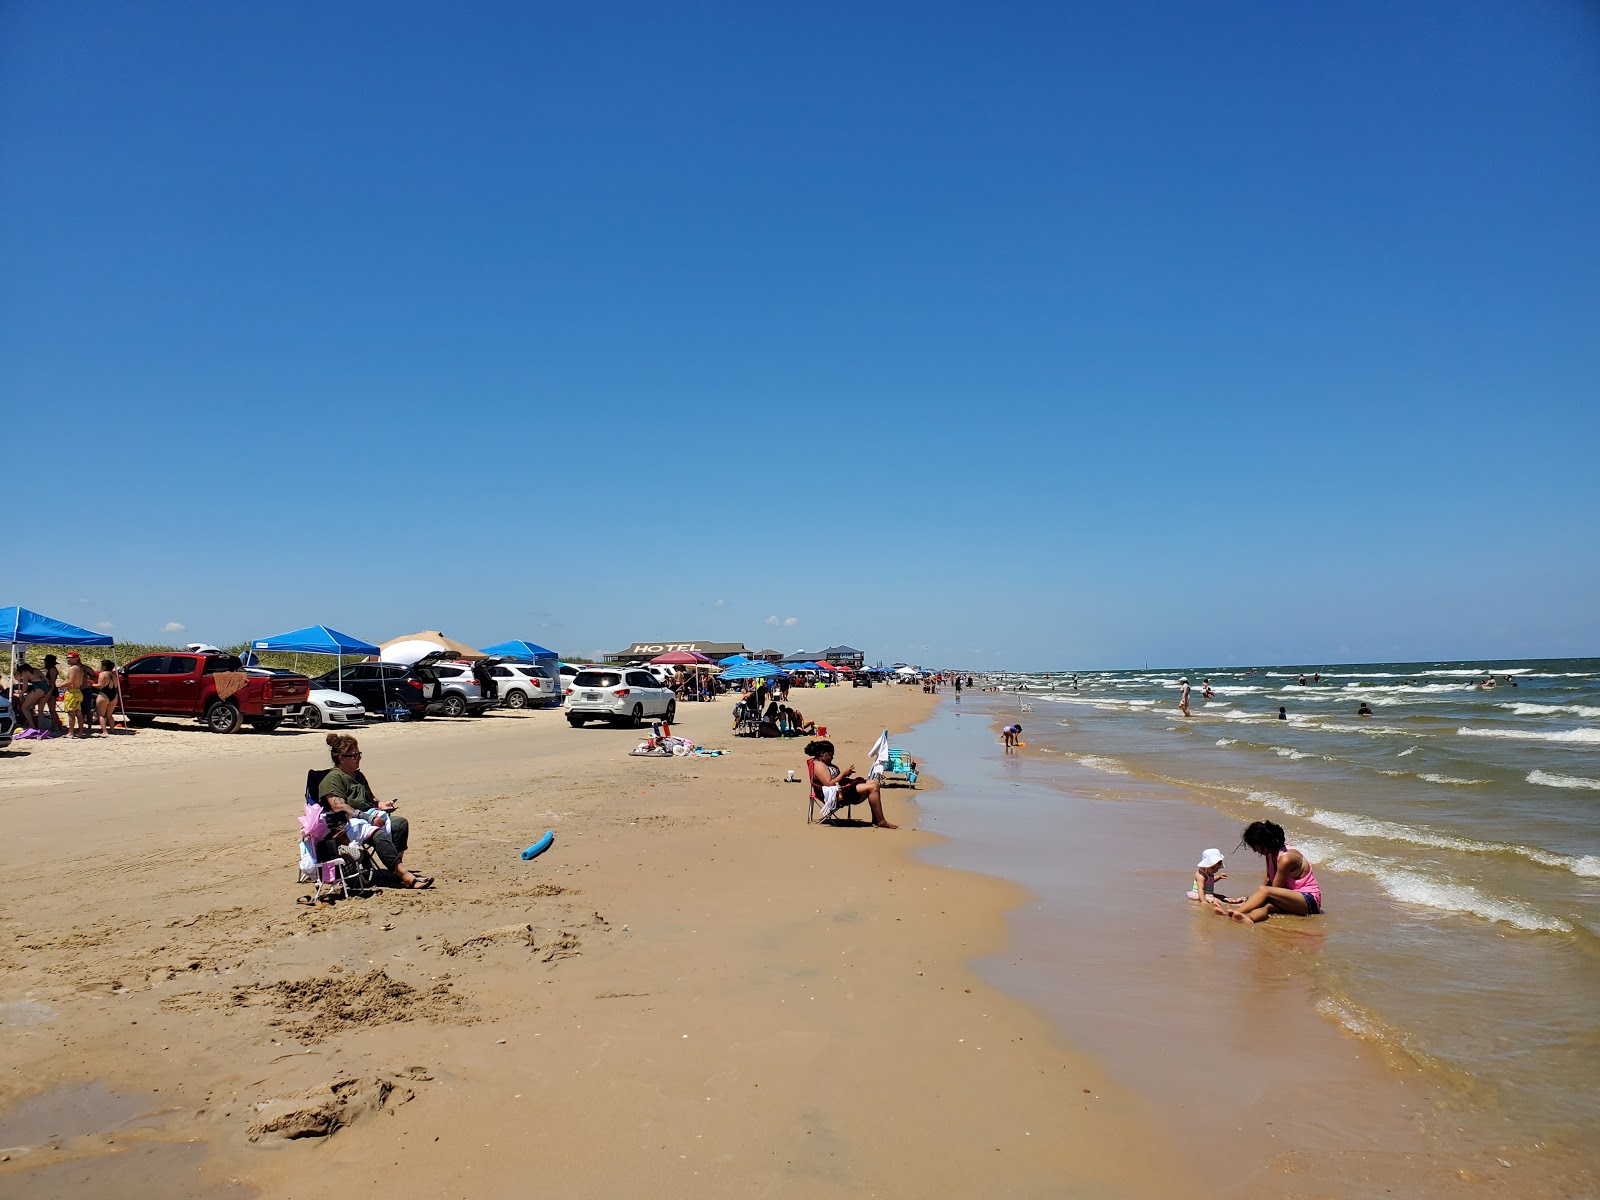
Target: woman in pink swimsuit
x,y
1291,887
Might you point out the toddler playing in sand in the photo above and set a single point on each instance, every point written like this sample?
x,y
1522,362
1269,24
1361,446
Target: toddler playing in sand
x,y
1206,874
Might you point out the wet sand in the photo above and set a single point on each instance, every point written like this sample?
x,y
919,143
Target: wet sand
x,y
1216,1025
693,993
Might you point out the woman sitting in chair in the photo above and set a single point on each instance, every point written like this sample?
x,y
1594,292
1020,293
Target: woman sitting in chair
x,y
345,793
852,788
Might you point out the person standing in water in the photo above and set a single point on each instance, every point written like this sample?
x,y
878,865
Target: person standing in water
x,y
1183,697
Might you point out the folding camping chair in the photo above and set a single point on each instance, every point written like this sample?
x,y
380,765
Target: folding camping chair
x,y
816,803
746,721
348,873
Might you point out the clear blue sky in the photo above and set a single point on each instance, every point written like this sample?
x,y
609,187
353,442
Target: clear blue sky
x,y
1054,335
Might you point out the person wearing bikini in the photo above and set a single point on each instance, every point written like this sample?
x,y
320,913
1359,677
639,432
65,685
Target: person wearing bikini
x,y
1291,887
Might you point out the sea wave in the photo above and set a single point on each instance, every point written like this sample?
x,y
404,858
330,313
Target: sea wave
x,y
1444,893
1099,762
1281,802
1553,779
1406,751
1433,777
1586,866
1296,755
1589,737
1227,741
1552,710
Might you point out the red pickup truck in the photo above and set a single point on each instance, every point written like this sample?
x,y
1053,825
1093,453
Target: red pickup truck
x,y
213,688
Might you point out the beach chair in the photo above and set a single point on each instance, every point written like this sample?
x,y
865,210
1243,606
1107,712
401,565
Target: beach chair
x,y
746,721
350,873
816,805
902,764
887,760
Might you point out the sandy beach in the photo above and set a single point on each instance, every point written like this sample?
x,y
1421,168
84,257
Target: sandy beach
x,y
693,993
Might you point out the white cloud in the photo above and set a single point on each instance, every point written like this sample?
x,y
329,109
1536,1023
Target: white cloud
x,y
719,603
104,626
174,627
791,620
774,620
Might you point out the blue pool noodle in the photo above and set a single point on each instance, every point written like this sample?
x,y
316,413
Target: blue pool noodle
x,y
541,845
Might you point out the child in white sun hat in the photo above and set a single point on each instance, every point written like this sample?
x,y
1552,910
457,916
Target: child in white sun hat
x,y
1206,874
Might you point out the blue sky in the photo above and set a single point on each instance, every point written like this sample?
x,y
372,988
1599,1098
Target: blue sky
x,y
1047,335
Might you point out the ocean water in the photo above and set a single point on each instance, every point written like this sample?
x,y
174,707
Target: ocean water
x,y
1455,833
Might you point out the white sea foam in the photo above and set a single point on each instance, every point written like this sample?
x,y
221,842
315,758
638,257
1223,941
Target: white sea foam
x,y
1100,763
1552,779
1588,737
1406,751
1282,803
1431,777
1427,890
1297,755
1227,741
1552,710
1586,866
1373,730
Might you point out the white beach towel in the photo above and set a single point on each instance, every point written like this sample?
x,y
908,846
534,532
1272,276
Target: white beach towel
x,y
880,755
830,801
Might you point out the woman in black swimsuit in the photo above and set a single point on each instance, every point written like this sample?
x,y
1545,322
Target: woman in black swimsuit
x,y
852,789
106,695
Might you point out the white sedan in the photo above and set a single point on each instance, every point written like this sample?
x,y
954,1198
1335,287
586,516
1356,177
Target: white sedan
x,y
324,706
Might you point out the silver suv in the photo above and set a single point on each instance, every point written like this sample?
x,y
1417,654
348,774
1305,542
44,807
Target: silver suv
x,y
459,691
522,684
621,695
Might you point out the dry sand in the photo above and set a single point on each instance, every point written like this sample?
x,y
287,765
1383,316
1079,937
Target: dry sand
x,y
693,993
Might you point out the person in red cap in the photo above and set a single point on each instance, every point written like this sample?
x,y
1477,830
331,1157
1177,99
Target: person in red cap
x,y
72,701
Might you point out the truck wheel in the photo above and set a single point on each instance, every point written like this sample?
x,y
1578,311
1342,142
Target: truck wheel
x,y
455,705
223,717
265,724
516,698
575,720
671,714
311,717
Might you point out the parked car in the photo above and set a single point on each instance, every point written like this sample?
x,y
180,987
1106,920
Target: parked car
x,y
568,674
186,685
460,692
621,695
327,706
523,684
380,686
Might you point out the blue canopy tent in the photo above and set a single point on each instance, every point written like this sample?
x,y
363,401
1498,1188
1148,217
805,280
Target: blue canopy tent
x,y
24,627
317,639
733,660
526,651
752,670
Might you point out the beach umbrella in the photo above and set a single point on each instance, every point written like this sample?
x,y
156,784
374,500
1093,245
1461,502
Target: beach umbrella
x,y
733,660
680,658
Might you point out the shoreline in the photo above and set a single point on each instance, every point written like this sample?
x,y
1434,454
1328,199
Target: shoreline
x,y
1226,1070
682,995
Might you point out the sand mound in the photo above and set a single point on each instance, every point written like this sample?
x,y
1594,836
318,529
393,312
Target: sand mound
x,y
325,1006
323,1111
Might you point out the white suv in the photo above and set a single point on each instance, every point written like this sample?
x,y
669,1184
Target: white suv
x,y
522,684
621,695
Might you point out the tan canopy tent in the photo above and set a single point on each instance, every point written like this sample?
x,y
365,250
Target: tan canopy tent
x,y
459,649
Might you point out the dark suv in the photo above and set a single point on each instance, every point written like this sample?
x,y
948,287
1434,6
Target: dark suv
x,y
382,686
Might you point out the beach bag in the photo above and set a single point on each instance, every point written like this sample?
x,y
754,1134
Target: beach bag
x,y
313,824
